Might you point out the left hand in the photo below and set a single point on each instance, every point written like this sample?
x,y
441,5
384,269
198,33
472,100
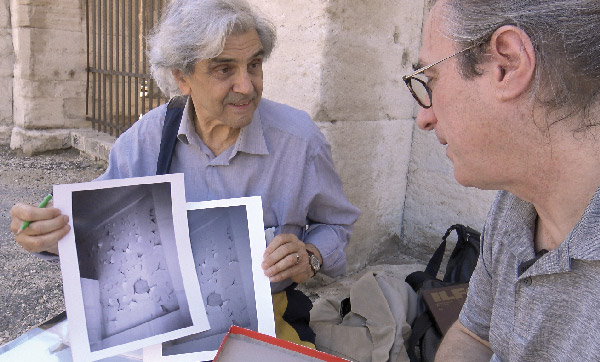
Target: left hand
x,y
286,257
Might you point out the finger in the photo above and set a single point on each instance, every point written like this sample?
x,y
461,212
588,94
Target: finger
x,y
22,212
288,267
45,226
279,254
278,241
45,242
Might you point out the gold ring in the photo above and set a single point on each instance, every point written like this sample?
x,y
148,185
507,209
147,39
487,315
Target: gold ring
x,y
297,258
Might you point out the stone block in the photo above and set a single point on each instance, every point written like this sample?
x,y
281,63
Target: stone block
x,y
37,141
49,54
6,99
372,158
58,89
7,58
434,200
337,65
4,14
62,15
92,143
44,113
5,133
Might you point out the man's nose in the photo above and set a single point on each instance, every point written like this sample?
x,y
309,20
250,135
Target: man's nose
x,y
426,119
243,83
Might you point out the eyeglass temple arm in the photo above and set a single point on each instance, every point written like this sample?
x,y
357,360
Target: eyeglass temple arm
x,y
421,70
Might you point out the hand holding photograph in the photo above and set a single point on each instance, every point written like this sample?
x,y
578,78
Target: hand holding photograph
x,y
228,241
128,273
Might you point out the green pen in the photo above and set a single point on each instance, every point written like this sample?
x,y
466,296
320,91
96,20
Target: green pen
x,y
41,205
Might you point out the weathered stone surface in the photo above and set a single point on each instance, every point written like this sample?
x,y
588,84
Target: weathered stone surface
x,y
344,61
4,14
434,200
45,113
25,88
53,55
6,98
371,158
33,141
5,133
56,15
93,143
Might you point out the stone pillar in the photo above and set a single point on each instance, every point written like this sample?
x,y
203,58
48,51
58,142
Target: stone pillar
x,y
342,62
49,73
6,73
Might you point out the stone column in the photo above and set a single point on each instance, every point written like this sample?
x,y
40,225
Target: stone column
x,y
49,73
6,73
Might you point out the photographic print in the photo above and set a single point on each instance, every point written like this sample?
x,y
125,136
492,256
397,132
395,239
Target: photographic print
x,y
228,241
126,265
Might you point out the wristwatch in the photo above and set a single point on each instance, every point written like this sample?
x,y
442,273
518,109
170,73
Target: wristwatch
x,y
313,260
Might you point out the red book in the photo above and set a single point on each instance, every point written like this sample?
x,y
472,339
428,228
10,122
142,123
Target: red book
x,y
241,344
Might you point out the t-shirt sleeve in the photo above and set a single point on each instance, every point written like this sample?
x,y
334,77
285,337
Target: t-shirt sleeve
x,y
477,311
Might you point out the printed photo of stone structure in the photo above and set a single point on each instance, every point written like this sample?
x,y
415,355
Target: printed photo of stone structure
x,y
127,260
221,249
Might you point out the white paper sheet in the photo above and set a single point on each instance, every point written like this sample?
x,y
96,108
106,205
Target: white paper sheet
x,y
128,272
228,242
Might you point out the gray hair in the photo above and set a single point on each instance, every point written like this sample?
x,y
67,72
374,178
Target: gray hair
x,y
194,30
565,37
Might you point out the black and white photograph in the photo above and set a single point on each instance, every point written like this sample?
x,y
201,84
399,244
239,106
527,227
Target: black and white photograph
x,y
221,244
131,265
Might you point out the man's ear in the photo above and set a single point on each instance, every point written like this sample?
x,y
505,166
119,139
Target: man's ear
x,y
182,82
513,60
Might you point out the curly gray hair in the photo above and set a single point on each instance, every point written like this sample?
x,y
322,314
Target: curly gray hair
x,y
193,30
565,37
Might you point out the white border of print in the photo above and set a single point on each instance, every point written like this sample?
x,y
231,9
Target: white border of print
x,y
78,333
262,287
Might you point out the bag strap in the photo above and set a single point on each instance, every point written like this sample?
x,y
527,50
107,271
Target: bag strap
x,y
419,328
169,134
467,238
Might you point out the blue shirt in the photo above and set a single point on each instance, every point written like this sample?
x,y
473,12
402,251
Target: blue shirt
x,y
281,156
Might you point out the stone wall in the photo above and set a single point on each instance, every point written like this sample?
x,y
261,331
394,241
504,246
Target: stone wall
x,y
341,61
6,73
49,73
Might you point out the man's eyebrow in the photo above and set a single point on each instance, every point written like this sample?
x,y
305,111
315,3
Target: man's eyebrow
x,y
219,60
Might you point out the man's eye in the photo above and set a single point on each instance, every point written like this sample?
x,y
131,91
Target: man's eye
x,y
223,70
255,64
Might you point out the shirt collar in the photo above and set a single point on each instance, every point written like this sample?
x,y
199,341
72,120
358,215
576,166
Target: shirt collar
x,y
582,242
250,140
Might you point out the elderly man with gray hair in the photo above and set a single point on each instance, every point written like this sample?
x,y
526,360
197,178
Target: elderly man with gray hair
x,y
515,99
231,143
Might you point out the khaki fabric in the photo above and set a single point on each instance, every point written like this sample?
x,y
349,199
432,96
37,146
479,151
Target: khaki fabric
x,y
382,308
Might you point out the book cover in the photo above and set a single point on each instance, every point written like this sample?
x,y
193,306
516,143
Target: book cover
x,y
445,304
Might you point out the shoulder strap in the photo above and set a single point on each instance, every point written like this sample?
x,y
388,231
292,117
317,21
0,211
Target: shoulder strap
x,y
169,134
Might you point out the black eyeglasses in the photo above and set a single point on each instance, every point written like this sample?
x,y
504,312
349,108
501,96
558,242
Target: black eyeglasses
x,y
417,82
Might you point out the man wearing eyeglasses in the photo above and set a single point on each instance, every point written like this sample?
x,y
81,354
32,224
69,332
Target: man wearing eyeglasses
x,y
515,101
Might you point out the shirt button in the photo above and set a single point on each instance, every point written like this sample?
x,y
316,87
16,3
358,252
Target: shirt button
x,y
527,281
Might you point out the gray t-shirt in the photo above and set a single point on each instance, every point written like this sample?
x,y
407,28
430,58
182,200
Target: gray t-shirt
x,y
549,312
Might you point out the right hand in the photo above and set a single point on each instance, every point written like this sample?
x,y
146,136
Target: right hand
x,y
47,227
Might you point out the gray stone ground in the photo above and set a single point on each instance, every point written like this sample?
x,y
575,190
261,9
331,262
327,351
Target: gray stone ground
x,y
31,289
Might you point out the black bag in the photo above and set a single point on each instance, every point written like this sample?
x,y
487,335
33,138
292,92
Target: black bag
x,y
425,336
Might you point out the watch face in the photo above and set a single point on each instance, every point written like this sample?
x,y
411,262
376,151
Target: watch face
x,y
314,263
